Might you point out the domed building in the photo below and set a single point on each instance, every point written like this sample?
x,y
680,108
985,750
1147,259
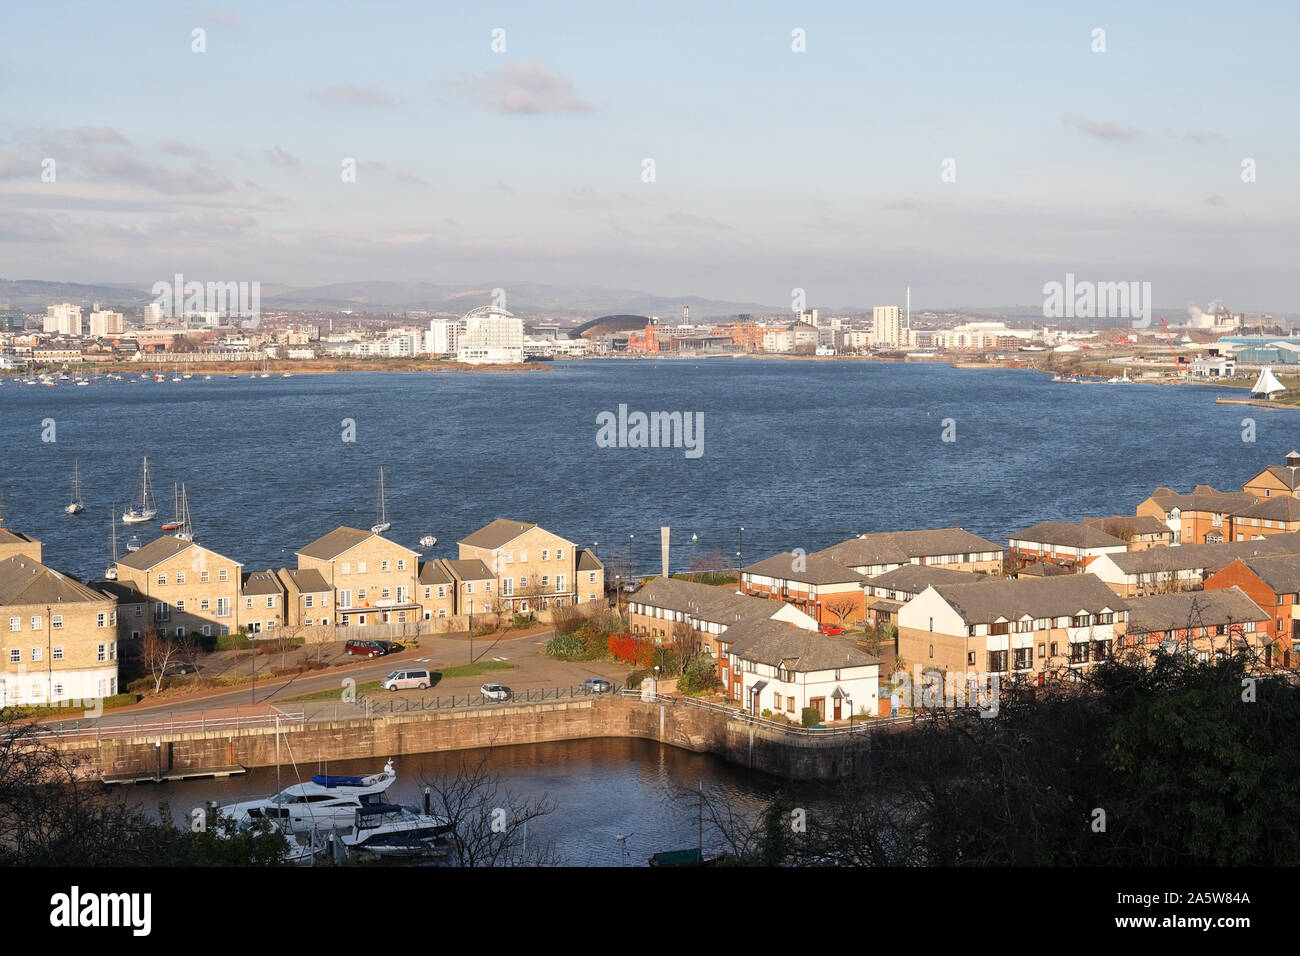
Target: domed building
x,y
490,336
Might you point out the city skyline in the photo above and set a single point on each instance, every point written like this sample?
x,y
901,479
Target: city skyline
x,y
823,170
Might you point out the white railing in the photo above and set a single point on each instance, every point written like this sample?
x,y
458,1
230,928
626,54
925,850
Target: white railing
x,y
62,731
858,725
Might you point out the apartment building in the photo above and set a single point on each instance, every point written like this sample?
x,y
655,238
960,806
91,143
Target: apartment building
x,y
1205,623
373,580
476,590
1071,546
1024,627
1277,480
60,636
308,602
669,610
13,544
261,603
824,589
437,591
955,548
778,667
1139,532
1273,583
1199,517
177,587
1163,570
535,569
1275,515
887,593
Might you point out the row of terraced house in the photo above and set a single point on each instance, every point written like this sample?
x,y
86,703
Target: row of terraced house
x,y
1205,573
62,635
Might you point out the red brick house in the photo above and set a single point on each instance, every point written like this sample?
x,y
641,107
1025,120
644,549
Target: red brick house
x,y
1272,582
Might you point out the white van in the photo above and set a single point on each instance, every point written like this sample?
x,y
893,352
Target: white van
x,y
410,677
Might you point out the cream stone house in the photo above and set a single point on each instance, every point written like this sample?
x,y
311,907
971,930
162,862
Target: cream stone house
x,y
535,568
179,587
373,579
60,636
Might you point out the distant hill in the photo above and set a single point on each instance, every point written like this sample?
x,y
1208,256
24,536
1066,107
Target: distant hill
x,y
522,298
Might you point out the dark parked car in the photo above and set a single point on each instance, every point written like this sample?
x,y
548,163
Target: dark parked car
x,y
364,649
389,647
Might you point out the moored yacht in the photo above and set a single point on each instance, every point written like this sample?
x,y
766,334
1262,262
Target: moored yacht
x,y
386,829
323,803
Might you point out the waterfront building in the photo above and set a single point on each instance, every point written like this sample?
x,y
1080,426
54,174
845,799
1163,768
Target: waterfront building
x,y
437,594
13,544
980,336
443,337
373,580
1138,531
1277,480
1198,517
1205,623
177,587
1272,582
1072,546
782,668
887,593
60,636
1023,627
491,336
536,568
825,590
955,548
1162,570
475,589
308,603
1271,516
261,594
888,330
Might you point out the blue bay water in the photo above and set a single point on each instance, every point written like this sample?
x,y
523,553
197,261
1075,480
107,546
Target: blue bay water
x,y
801,454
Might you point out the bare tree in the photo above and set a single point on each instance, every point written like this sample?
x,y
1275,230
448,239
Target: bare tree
x,y
156,653
489,822
841,608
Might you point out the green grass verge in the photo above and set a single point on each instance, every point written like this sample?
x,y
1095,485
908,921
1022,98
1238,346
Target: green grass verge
x,y
438,673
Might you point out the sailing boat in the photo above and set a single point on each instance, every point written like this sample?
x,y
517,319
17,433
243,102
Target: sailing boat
x,y
75,507
186,530
176,509
110,572
382,523
146,511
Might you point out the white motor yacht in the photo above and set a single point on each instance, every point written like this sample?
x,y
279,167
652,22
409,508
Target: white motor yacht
x,y
323,803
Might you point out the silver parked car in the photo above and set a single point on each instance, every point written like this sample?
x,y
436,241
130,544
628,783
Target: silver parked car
x,y
496,692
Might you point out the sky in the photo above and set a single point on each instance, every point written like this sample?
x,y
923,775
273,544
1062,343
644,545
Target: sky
x,y
973,152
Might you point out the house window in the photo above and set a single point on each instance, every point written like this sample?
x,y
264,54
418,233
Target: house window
x,y
207,630
384,593
57,652
204,604
469,587
223,607
1082,620
345,568
270,602
1042,650
203,577
523,581
932,650
56,621
442,612
248,602
997,660
546,580
546,555
361,567
180,605
401,564
36,653
970,658
37,622
442,590
15,624
428,593
361,594
15,656
180,577
101,620
101,653
221,574
383,565
559,554
591,578
1053,648
1024,658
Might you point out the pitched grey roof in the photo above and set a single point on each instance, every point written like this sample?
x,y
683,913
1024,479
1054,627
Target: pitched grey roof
x,y
158,551
470,569
8,536
587,561
1209,557
496,533
1067,535
804,569
1138,524
260,582
1282,508
1280,572
1042,569
306,580
1203,498
1171,612
899,547
1011,599
433,572
915,578
329,546
714,604
795,648
24,581
1287,475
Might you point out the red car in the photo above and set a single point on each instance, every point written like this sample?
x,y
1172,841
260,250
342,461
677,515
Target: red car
x,y
363,649
832,629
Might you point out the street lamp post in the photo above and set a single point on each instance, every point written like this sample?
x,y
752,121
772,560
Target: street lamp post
x,y
469,614
740,551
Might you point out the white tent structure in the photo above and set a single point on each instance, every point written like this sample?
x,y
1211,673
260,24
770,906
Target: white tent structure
x,y
1268,386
